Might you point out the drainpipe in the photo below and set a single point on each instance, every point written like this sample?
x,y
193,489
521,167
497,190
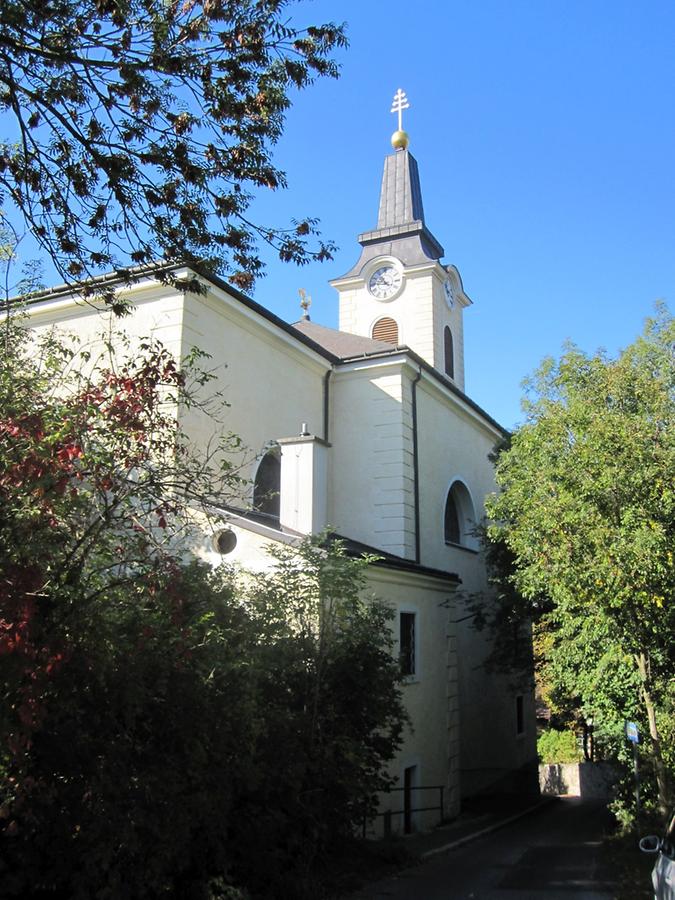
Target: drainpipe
x,y
326,411
416,479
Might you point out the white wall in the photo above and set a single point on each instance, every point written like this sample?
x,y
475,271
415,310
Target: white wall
x,y
266,383
431,695
371,485
454,444
157,313
270,382
420,311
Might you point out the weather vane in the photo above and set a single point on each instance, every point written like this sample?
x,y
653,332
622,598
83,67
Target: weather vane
x,y
305,303
400,139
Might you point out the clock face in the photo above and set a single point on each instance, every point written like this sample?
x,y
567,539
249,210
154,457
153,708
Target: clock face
x,y
449,292
385,282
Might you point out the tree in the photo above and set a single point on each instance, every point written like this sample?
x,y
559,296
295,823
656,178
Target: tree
x,y
139,129
330,692
503,611
165,729
106,707
31,270
587,510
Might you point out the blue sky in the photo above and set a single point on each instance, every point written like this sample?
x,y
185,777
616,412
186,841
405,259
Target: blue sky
x,y
545,137
544,131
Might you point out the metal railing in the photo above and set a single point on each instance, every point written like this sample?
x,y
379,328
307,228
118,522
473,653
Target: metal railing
x,y
406,811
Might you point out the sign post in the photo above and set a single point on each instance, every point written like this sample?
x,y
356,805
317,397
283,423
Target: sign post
x,y
633,735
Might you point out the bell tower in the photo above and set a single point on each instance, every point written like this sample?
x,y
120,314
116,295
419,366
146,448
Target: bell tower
x,y
399,290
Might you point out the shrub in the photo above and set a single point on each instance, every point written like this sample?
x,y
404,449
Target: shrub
x,y
555,746
166,731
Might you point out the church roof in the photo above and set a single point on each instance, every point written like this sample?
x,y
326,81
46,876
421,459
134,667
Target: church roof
x,y
345,347
391,561
340,343
269,527
335,346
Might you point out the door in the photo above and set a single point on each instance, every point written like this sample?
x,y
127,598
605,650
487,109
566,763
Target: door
x,y
408,784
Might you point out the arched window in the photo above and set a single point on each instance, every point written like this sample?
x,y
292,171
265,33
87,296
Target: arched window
x,y
385,329
449,353
459,518
451,520
267,484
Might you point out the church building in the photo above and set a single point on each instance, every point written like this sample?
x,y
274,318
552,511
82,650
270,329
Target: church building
x,y
367,429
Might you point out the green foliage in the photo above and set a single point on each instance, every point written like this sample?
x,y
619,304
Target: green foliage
x,y
166,730
349,708
505,613
555,746
139,128
117,749
587,512
330,696
31,271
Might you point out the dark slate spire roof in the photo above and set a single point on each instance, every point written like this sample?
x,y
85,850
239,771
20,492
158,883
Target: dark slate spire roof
x,y
401,230
401,195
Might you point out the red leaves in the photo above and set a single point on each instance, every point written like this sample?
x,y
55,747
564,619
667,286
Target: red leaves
x,y
54,663
12,429
69,452
130,398
18,609
34,461
43,455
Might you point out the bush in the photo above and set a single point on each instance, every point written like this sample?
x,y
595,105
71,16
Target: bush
x,y
555,746
166,731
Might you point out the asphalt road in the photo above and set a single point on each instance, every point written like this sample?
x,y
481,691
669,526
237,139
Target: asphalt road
x,y
552,854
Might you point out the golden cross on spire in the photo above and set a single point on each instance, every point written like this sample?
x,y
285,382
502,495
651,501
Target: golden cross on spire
x,y
400,103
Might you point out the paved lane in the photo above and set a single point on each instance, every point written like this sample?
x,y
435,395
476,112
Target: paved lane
x,y
553,854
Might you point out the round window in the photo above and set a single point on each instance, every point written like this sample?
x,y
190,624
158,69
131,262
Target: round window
x,y
225,541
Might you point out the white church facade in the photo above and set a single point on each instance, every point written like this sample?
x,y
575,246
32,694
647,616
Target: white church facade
x,y
366,429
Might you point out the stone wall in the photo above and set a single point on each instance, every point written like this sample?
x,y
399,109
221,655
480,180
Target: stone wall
x,y
585,779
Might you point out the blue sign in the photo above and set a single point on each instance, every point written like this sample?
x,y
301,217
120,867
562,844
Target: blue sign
x,y
632,732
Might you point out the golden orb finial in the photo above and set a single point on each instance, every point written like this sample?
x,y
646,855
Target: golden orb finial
x,y
400,140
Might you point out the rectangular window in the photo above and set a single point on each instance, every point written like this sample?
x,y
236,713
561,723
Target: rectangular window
x,y
520,719
407,643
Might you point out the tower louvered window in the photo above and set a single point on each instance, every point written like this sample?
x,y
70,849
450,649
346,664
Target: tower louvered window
x,y
385,329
